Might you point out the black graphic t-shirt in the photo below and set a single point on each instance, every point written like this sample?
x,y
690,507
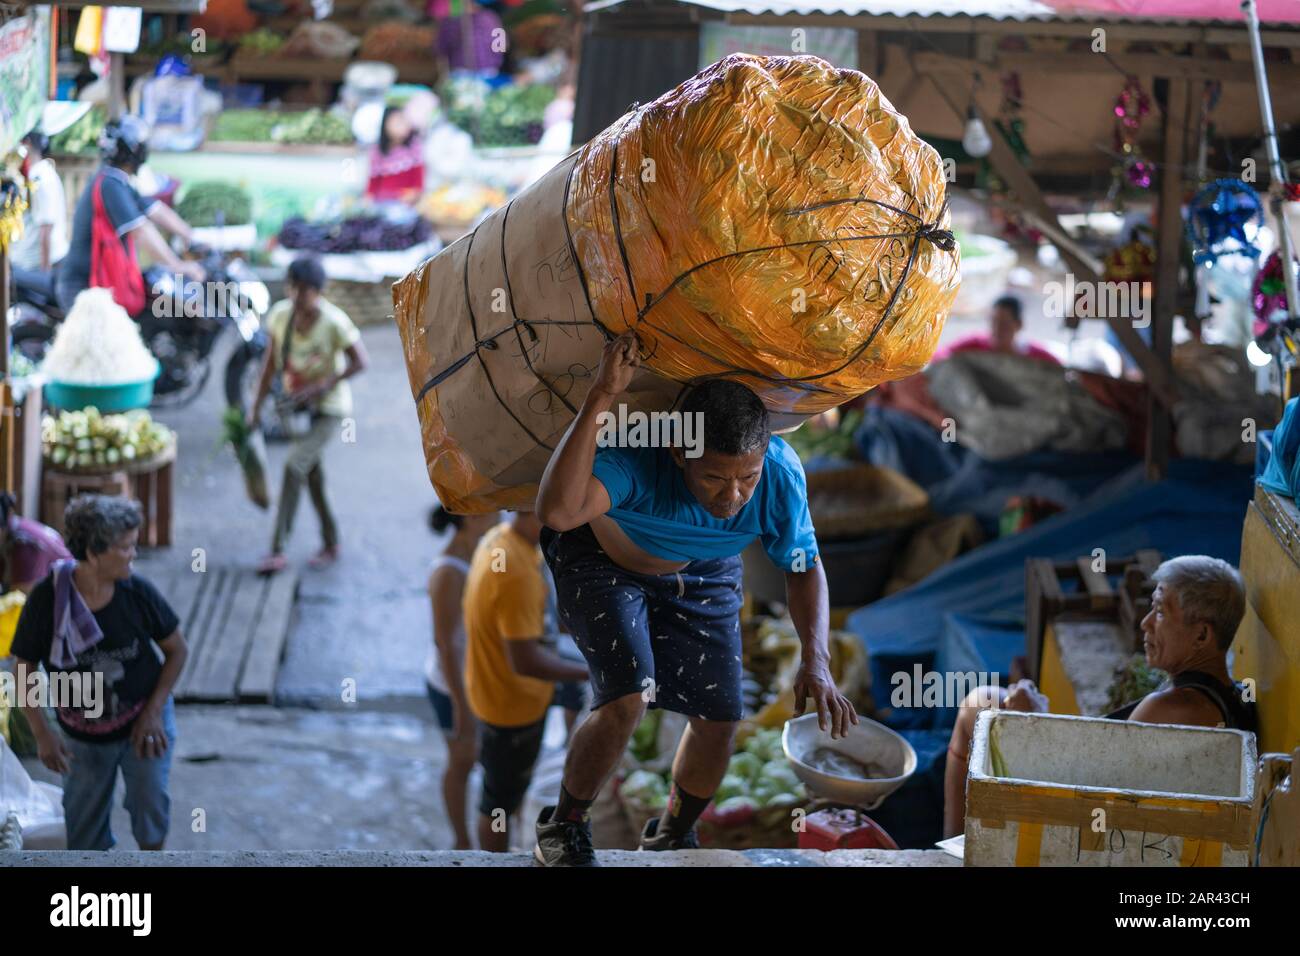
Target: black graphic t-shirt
x,y
136,618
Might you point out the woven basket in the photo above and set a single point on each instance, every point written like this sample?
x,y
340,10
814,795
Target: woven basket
x,y
862,499
366,303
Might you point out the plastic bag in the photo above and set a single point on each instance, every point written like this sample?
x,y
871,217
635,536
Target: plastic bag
x,y
773,218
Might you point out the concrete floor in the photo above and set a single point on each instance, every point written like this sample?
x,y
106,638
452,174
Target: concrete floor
x,y
366,618
619,858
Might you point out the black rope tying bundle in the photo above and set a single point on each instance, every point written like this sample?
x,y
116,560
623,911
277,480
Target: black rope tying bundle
x,y
923,232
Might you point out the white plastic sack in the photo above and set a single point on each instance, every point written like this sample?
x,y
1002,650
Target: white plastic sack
x,y
39,806
1008,405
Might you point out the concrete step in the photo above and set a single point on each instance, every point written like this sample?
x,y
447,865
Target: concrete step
x,y
628,858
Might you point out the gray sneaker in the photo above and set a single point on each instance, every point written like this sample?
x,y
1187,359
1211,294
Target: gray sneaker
x,y
561,843
652,839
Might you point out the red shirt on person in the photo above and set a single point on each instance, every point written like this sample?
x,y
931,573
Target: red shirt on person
x,y
983,342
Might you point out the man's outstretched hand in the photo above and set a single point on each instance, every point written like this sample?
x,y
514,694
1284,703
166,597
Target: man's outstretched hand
x,y
834,712
618,364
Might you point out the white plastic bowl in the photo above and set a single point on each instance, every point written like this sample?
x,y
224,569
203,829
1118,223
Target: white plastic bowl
x,y
867,742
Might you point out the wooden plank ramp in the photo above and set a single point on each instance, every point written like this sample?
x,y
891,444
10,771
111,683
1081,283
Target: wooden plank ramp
x,y
236,624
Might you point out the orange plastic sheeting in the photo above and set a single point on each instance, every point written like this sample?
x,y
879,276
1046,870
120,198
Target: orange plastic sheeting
x,y
758,155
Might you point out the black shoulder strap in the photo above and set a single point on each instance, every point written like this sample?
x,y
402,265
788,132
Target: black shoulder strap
x,y
1220,695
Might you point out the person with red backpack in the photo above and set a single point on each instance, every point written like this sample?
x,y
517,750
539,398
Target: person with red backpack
x,y
111,220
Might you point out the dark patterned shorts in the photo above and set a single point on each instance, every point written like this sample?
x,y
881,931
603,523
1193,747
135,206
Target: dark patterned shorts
x,y
674,638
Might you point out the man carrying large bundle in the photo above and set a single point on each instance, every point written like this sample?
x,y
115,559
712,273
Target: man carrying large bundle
x,y
644,543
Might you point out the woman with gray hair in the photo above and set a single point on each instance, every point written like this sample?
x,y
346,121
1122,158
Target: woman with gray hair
x,y
92,623
1198,603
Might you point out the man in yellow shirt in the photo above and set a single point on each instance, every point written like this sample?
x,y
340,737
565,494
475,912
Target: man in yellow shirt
x,y
510,673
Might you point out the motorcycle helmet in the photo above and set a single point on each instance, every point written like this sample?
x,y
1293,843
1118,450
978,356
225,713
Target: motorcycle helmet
x,y
125,142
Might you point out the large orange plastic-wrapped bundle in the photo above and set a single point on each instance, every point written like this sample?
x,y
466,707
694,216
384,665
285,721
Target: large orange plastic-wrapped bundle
x,y
772,219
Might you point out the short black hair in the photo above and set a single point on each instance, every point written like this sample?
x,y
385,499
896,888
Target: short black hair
x,y
308,271
1012,305
735,419
38,140
440,519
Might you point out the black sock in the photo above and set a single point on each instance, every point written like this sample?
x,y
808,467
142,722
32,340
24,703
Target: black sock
x,y
570,809
682,812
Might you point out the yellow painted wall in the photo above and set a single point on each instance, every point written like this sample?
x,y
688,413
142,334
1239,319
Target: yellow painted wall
x,y
1053,680
1267,645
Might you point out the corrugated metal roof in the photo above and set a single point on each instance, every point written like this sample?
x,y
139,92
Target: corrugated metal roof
x,y
1132,11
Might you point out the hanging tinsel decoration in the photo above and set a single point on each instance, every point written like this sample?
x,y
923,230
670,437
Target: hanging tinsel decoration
x,y
1135,261
13,205
1133,171
1217,218
1268,292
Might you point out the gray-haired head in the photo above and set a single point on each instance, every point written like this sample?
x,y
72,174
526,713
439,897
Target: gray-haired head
x,y
1208,591
92,523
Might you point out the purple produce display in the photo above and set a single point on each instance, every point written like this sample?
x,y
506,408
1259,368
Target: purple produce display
x,y
355,234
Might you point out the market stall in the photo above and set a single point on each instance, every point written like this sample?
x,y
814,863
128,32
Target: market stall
x,y
289,109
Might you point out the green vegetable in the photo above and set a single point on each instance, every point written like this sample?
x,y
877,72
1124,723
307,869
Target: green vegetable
x,y
645,787
645,737
737,803
312,126
215,203
244,126
765,744
810,441
261,41
507,116
745,765
778,773
82,136
732,785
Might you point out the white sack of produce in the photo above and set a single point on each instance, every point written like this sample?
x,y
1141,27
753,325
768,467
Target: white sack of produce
x,y
773,219
98,344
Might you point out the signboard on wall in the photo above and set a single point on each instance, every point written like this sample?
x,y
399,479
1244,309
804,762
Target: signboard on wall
x,y
24,72
836,45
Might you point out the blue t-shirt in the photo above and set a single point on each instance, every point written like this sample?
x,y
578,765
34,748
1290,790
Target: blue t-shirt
x,y
651,503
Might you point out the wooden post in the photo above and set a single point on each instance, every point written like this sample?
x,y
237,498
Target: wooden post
x,y
116,85
1169,240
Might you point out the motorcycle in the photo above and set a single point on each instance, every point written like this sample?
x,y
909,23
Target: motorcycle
x,y
180,325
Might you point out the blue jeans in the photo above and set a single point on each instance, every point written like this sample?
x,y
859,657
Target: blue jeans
x,y
89,785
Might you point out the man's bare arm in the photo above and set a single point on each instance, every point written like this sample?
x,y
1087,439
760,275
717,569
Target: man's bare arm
x,y
531,658
569,495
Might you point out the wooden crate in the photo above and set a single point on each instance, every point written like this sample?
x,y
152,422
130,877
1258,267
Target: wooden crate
x,y
150,483
1124,601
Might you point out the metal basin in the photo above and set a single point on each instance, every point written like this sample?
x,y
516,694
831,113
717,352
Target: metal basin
x,y
869,743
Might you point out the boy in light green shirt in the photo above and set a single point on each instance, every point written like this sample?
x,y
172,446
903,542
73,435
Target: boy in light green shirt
x,y
323,350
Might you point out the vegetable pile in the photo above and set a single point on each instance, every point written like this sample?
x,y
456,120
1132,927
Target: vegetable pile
x,y
312,126
215,203
814,439
87,439
260,42
354,234
82,136
244,126
390,42
98,344
459,202
759,775
508,116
